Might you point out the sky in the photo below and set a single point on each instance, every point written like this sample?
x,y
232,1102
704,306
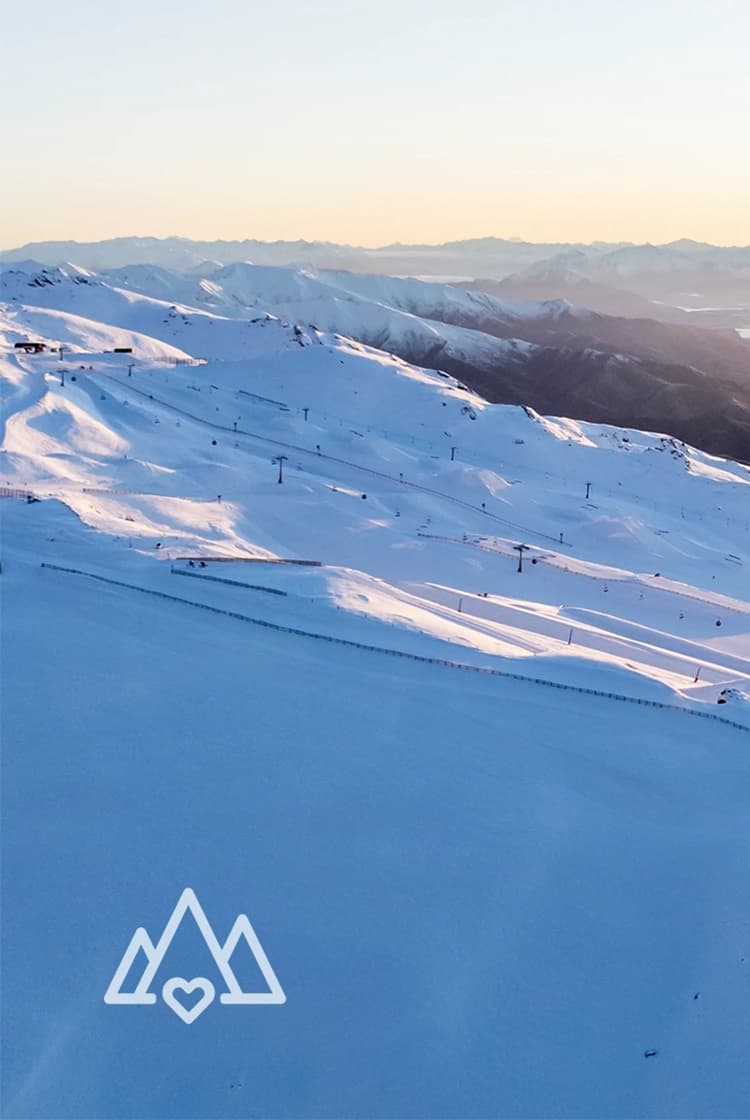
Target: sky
x,y
374,122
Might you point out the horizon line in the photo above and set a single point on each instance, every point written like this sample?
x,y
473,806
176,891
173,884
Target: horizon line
x,y
373,248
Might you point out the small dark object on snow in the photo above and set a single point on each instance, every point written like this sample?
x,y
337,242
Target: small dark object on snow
x,y
718,622
158,544
30,347
696,995
213,443
203,563
650,1053
364,497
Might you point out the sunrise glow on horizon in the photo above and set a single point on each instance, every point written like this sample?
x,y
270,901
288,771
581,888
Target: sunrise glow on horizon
x,y
413,122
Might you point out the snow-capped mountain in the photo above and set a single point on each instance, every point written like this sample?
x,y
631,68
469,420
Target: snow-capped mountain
x,y
553,356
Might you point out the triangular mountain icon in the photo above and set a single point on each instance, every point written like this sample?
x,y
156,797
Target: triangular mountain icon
x,y
154,954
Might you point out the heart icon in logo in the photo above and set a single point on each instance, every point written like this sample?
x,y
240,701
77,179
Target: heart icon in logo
x,y
178,984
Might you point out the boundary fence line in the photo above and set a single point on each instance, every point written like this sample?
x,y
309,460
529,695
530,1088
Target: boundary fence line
x,y
114,492
233,582
423,658
15,492
248,560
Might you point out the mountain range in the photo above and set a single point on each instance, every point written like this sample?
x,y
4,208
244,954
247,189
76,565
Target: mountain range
x,y
558,357
710,282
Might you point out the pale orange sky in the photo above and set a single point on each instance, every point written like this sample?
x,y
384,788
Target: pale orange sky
x,y
413,121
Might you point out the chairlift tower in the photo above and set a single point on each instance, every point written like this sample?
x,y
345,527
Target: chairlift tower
x,y
520,549
280,460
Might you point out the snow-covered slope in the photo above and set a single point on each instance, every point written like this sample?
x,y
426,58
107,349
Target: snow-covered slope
x,y
242,292
248,284
550,355
491,875
434,459
481,897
